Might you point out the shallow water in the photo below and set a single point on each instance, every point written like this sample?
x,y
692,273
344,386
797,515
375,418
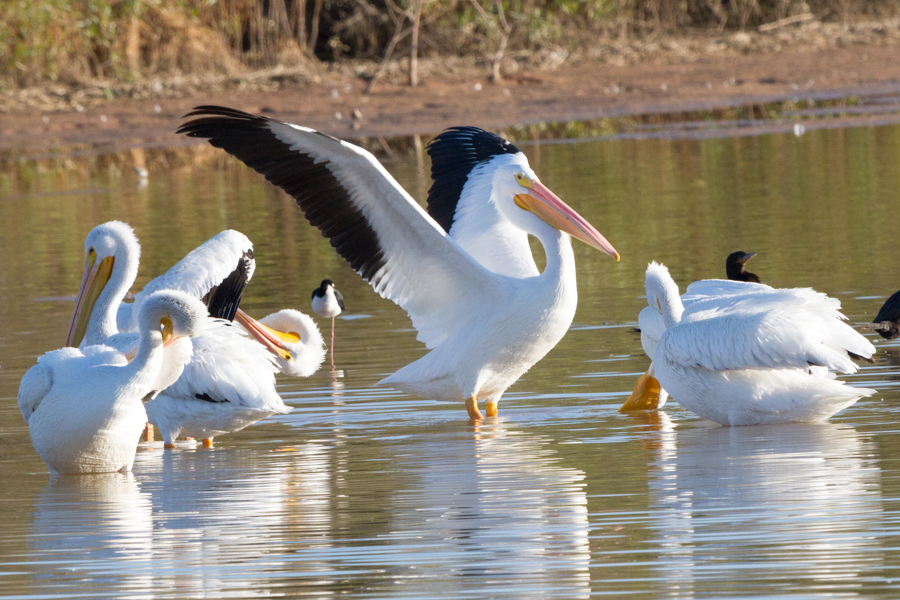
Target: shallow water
x,y
364,492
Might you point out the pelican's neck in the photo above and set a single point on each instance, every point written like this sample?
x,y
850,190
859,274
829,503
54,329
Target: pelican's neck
x,y
148,360
102,322
560,268
671,307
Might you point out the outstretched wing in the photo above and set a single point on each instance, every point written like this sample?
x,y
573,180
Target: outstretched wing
x,y
370,220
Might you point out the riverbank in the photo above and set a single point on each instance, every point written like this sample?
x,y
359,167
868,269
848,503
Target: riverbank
x,y
676,77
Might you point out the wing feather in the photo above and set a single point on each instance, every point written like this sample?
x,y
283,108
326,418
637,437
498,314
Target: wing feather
x,y
225,260
370,220
786,329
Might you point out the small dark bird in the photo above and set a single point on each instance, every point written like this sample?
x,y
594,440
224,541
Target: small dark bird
x,y
734,267
327,302
887,322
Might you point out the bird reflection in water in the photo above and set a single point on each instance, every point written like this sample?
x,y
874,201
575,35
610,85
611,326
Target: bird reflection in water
x,y
797,495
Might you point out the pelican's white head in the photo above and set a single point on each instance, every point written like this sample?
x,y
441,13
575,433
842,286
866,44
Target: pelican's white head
x,y
292,338
172,315
662,293
112,254
531,206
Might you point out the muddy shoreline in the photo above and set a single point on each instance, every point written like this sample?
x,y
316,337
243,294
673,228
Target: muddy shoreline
x,y
571,93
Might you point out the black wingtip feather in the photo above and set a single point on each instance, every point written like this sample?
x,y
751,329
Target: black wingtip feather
x,y
324,201
454,153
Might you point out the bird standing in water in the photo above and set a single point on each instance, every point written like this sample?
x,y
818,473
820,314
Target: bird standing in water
x,y
734,267
486,317
328,302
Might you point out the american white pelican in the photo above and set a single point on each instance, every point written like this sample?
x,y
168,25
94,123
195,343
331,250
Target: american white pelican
x,y
748,354
484,328
329,303
84,408
735,267
230,383
231,378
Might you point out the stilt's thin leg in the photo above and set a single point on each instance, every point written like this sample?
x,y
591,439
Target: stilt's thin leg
x,y
332,343
472,408
148,432
491,409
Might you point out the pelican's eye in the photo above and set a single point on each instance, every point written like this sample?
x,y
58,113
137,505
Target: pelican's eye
x,y
524,181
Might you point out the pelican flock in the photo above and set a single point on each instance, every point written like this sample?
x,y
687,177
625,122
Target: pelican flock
x,y
220,380
186,358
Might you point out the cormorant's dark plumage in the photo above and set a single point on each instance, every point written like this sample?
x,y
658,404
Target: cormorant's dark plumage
x,y
454,153
734,267
888,318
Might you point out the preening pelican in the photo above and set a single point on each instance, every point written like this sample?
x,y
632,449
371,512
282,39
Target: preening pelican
x,y
484,328
231,377
735,267
329,303
753,357
84,408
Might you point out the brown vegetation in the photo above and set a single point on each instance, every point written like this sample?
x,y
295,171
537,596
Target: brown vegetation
x,y
78,42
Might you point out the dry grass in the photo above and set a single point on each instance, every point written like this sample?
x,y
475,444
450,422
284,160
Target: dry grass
x,y
76,43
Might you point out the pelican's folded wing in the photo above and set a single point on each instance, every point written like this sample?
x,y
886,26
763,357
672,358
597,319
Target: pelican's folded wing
x,y
216,271
804,330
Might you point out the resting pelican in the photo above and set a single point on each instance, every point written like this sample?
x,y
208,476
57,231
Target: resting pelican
x,y
735,267
755,356
231,378
329,303
484,328
84,407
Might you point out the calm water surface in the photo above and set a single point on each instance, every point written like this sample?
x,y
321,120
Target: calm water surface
x,y
365,492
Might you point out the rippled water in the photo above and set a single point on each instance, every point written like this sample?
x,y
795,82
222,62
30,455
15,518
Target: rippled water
x,y
365,492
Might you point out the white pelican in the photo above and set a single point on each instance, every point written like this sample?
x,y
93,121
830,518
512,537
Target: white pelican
x,y
748,354
230,376
329,303
735,267
84,408
484,328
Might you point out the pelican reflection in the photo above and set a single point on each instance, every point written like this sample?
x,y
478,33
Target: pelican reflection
x,y
777,504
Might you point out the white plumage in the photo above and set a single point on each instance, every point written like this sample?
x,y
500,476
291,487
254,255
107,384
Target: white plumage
x,y
84,408
751,355
484,328
233,378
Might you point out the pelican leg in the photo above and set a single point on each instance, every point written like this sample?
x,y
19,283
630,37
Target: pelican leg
x,y
645,395
491,409
472,407
207,442
148,432
169,445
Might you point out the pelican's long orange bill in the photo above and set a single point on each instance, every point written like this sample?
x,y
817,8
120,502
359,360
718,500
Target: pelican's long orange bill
x,y
96,275
274,341
549,207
